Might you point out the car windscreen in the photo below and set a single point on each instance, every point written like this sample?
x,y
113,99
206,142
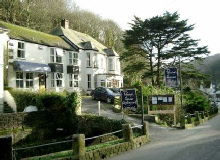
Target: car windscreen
x,y
109,90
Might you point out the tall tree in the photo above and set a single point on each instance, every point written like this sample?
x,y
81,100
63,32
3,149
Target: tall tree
x,y
164,38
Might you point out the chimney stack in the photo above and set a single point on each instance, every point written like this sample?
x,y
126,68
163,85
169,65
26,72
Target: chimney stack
x,y
65,23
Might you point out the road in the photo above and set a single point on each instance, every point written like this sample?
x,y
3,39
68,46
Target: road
x,y
199,143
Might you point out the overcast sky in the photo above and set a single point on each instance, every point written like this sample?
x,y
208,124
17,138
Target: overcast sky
x,y
205,14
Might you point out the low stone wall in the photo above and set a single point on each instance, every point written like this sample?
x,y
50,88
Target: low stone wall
x,y
148,118
199,121
110,151
11,120
116,149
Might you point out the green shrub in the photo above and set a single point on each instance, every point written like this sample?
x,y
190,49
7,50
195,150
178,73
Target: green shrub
x,y
47,100
96,125
196,101
24,98
50,100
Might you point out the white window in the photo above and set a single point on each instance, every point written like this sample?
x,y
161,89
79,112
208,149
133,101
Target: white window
x,y
95,61
70,80
56,79
102,63
54,57
88,60
109,83
73,80
73,58
59,79
76,80
117,65
19,80
89,80
52,80
110,64
24,80
29,80
21,50
102,83
95,81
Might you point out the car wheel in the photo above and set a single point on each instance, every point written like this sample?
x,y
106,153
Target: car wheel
x,y
93,97
109,100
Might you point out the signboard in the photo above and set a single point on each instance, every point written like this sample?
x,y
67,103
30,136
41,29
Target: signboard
x,y
161,100
171,77
128,98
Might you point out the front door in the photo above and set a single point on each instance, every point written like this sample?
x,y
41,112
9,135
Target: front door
x,y
42,82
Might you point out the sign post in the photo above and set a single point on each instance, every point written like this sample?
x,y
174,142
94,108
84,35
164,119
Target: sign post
x,y
171,77
128,99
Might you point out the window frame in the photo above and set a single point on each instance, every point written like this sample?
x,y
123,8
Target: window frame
x,y
55,80
54,57
95,60
74,58
88,59
21,50
102,82
20,80
89,81
76,80
111,64
23,80
29,80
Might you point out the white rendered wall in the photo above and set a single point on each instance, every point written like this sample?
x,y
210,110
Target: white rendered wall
x,y
36,55
3,41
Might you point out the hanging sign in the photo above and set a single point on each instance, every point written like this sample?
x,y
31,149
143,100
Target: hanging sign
x,y
128,98
171,77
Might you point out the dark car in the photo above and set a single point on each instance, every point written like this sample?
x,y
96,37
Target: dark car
x,y
105,94
115,90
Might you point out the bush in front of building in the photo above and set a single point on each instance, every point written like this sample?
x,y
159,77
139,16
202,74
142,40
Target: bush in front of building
x,y
24,98
47,100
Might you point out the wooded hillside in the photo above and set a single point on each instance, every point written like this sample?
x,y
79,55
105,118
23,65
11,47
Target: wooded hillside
x,y
44,15
211,66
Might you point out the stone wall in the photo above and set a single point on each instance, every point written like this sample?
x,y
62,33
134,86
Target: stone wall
x,y
115,149
11,120
200,118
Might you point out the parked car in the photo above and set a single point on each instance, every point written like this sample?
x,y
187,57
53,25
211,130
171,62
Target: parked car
x,y
115,90
103,93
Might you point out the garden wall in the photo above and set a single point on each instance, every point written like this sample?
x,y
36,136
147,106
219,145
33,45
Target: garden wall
x,y
116,149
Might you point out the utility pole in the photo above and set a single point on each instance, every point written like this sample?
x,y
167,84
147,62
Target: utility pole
x,y
182,117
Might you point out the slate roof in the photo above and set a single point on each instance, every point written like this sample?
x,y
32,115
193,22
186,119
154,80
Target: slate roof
x,y
82,41
33,36
111,52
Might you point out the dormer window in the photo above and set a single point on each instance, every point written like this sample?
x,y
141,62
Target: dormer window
x,y
21,50
55,55
73,58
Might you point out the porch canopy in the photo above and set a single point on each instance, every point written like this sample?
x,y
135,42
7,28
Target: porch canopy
x,y
31,67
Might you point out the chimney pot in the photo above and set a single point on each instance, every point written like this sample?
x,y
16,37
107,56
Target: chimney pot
x,y
65,23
